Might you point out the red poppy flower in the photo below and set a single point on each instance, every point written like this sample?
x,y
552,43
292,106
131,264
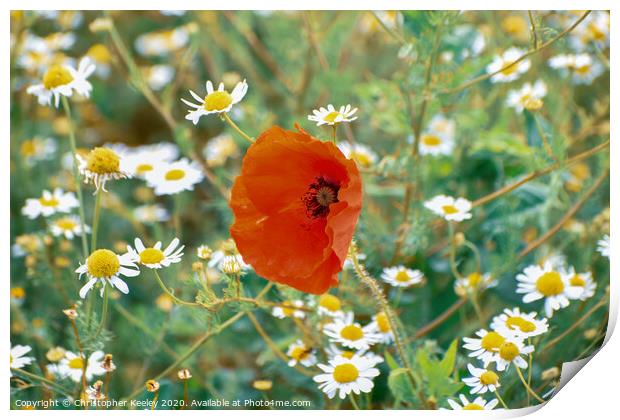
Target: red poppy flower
x,y
296,204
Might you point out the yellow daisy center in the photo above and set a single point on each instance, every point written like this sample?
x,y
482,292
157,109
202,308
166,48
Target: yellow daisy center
x,y
402,276
577,280
102,160
489,378
175,175
382,322
103,263
472,406
56,76
331,117
582,70
347,354
550,284
492,341
18,292
28,148
144,167
517,322
346,372
49,202
99,53
329,302
76,363
151,256
66,223
362,158
508,351
218,101
352,332
474,279
449,209
300,353
431,140
510,69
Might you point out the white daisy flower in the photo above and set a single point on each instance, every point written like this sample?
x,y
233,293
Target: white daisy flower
x,y
104,266
329,305
450,208
18,358
363,155
100,165
219,149
141,161
528,97
63,80
435,144
72,366
511,351
159,76
288,309
216,102
473,283
478,404
512,72
543,282
330,116
584,281
593,30
333,351
581,67
381,324
443,126
482,380
520,323
351,334
485,346
151,213
604,246
154,257
68,226
162,42
204,252
300,353
26,244
49,203
400,276
172,178
344,376
37,149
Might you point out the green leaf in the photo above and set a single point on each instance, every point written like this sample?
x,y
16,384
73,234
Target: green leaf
x,y
390,361
400,386
447,363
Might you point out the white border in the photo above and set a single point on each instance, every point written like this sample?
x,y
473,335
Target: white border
x,y
593,393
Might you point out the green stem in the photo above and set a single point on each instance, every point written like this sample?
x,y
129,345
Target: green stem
x,y
527,387
529,370
76,176
104,309
501,401
96,213
47,382
453,267
334,128
353,403
236,127
174,298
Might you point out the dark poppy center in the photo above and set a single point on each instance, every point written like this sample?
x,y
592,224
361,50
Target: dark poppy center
x,y
320,195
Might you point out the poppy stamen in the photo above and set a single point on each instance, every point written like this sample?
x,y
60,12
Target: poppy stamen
x,y
320,195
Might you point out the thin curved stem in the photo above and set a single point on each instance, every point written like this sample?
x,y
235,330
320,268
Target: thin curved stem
x,y
41,379
104,309
215,331
76,176
353,402
172,296
96,214
527,387
236,127
501,401
518,60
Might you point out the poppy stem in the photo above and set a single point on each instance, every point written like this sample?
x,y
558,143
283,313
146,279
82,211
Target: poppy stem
x,y
236,127
385,307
